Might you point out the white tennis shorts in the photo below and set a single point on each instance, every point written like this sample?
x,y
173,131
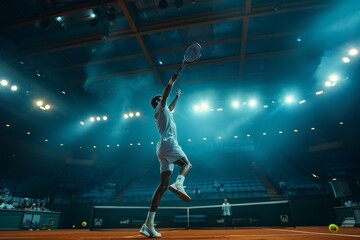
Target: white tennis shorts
x,y
168,152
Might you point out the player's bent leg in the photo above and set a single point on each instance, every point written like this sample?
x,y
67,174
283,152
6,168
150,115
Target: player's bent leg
x,y
180,191
178,187
185,165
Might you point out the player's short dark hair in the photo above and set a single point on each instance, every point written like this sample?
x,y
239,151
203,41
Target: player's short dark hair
x,y
153,102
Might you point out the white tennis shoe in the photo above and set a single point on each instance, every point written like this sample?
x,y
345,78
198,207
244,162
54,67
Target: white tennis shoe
x,y
149,232
180,191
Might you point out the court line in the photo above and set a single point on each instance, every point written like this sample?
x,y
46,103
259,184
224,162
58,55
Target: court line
x,y
202,236
316,233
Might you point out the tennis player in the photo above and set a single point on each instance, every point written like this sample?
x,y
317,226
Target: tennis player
x,y
169,153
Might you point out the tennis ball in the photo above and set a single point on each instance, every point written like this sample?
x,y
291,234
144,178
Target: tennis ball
x,y
333,228
84,224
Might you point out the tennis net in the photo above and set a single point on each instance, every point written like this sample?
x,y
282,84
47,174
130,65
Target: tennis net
x,y
257,214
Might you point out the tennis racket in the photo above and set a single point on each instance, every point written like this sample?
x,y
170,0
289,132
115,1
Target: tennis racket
x,y
191,54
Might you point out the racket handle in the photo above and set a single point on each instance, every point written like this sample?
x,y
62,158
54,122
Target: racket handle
x,y
179,69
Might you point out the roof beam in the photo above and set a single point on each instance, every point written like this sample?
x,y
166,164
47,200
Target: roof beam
x,y
179,48
178,24
134,29
198,63
52,14
245,29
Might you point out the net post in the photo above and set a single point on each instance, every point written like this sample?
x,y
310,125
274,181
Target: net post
x,y
188,217
291,214
92,218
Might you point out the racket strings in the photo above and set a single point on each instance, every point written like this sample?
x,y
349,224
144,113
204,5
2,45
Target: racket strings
x,y
192,53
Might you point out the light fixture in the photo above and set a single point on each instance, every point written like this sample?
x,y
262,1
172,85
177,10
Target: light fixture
x,y
39,103
346,59
4,82
353,52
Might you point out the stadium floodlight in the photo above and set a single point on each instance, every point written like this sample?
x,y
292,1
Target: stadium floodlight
x,y
319,92
14,88
196,108
126,116
82,123
92,119
39,103
98,118
302,101
131,114
235,104
105,118
204,107
252,103
334,77
137,114
289,99
346,59
4,82
328,83
353,51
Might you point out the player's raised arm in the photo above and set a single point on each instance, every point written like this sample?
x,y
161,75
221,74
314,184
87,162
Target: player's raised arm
x,y
168,89
173,103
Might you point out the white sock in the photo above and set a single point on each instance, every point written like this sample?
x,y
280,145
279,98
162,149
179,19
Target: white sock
x,y
150,219
180,179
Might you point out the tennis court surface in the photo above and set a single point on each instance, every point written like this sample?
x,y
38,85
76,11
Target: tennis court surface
x,y
299,233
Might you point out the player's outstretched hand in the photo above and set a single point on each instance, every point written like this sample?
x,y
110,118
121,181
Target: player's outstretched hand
x,y
179,92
